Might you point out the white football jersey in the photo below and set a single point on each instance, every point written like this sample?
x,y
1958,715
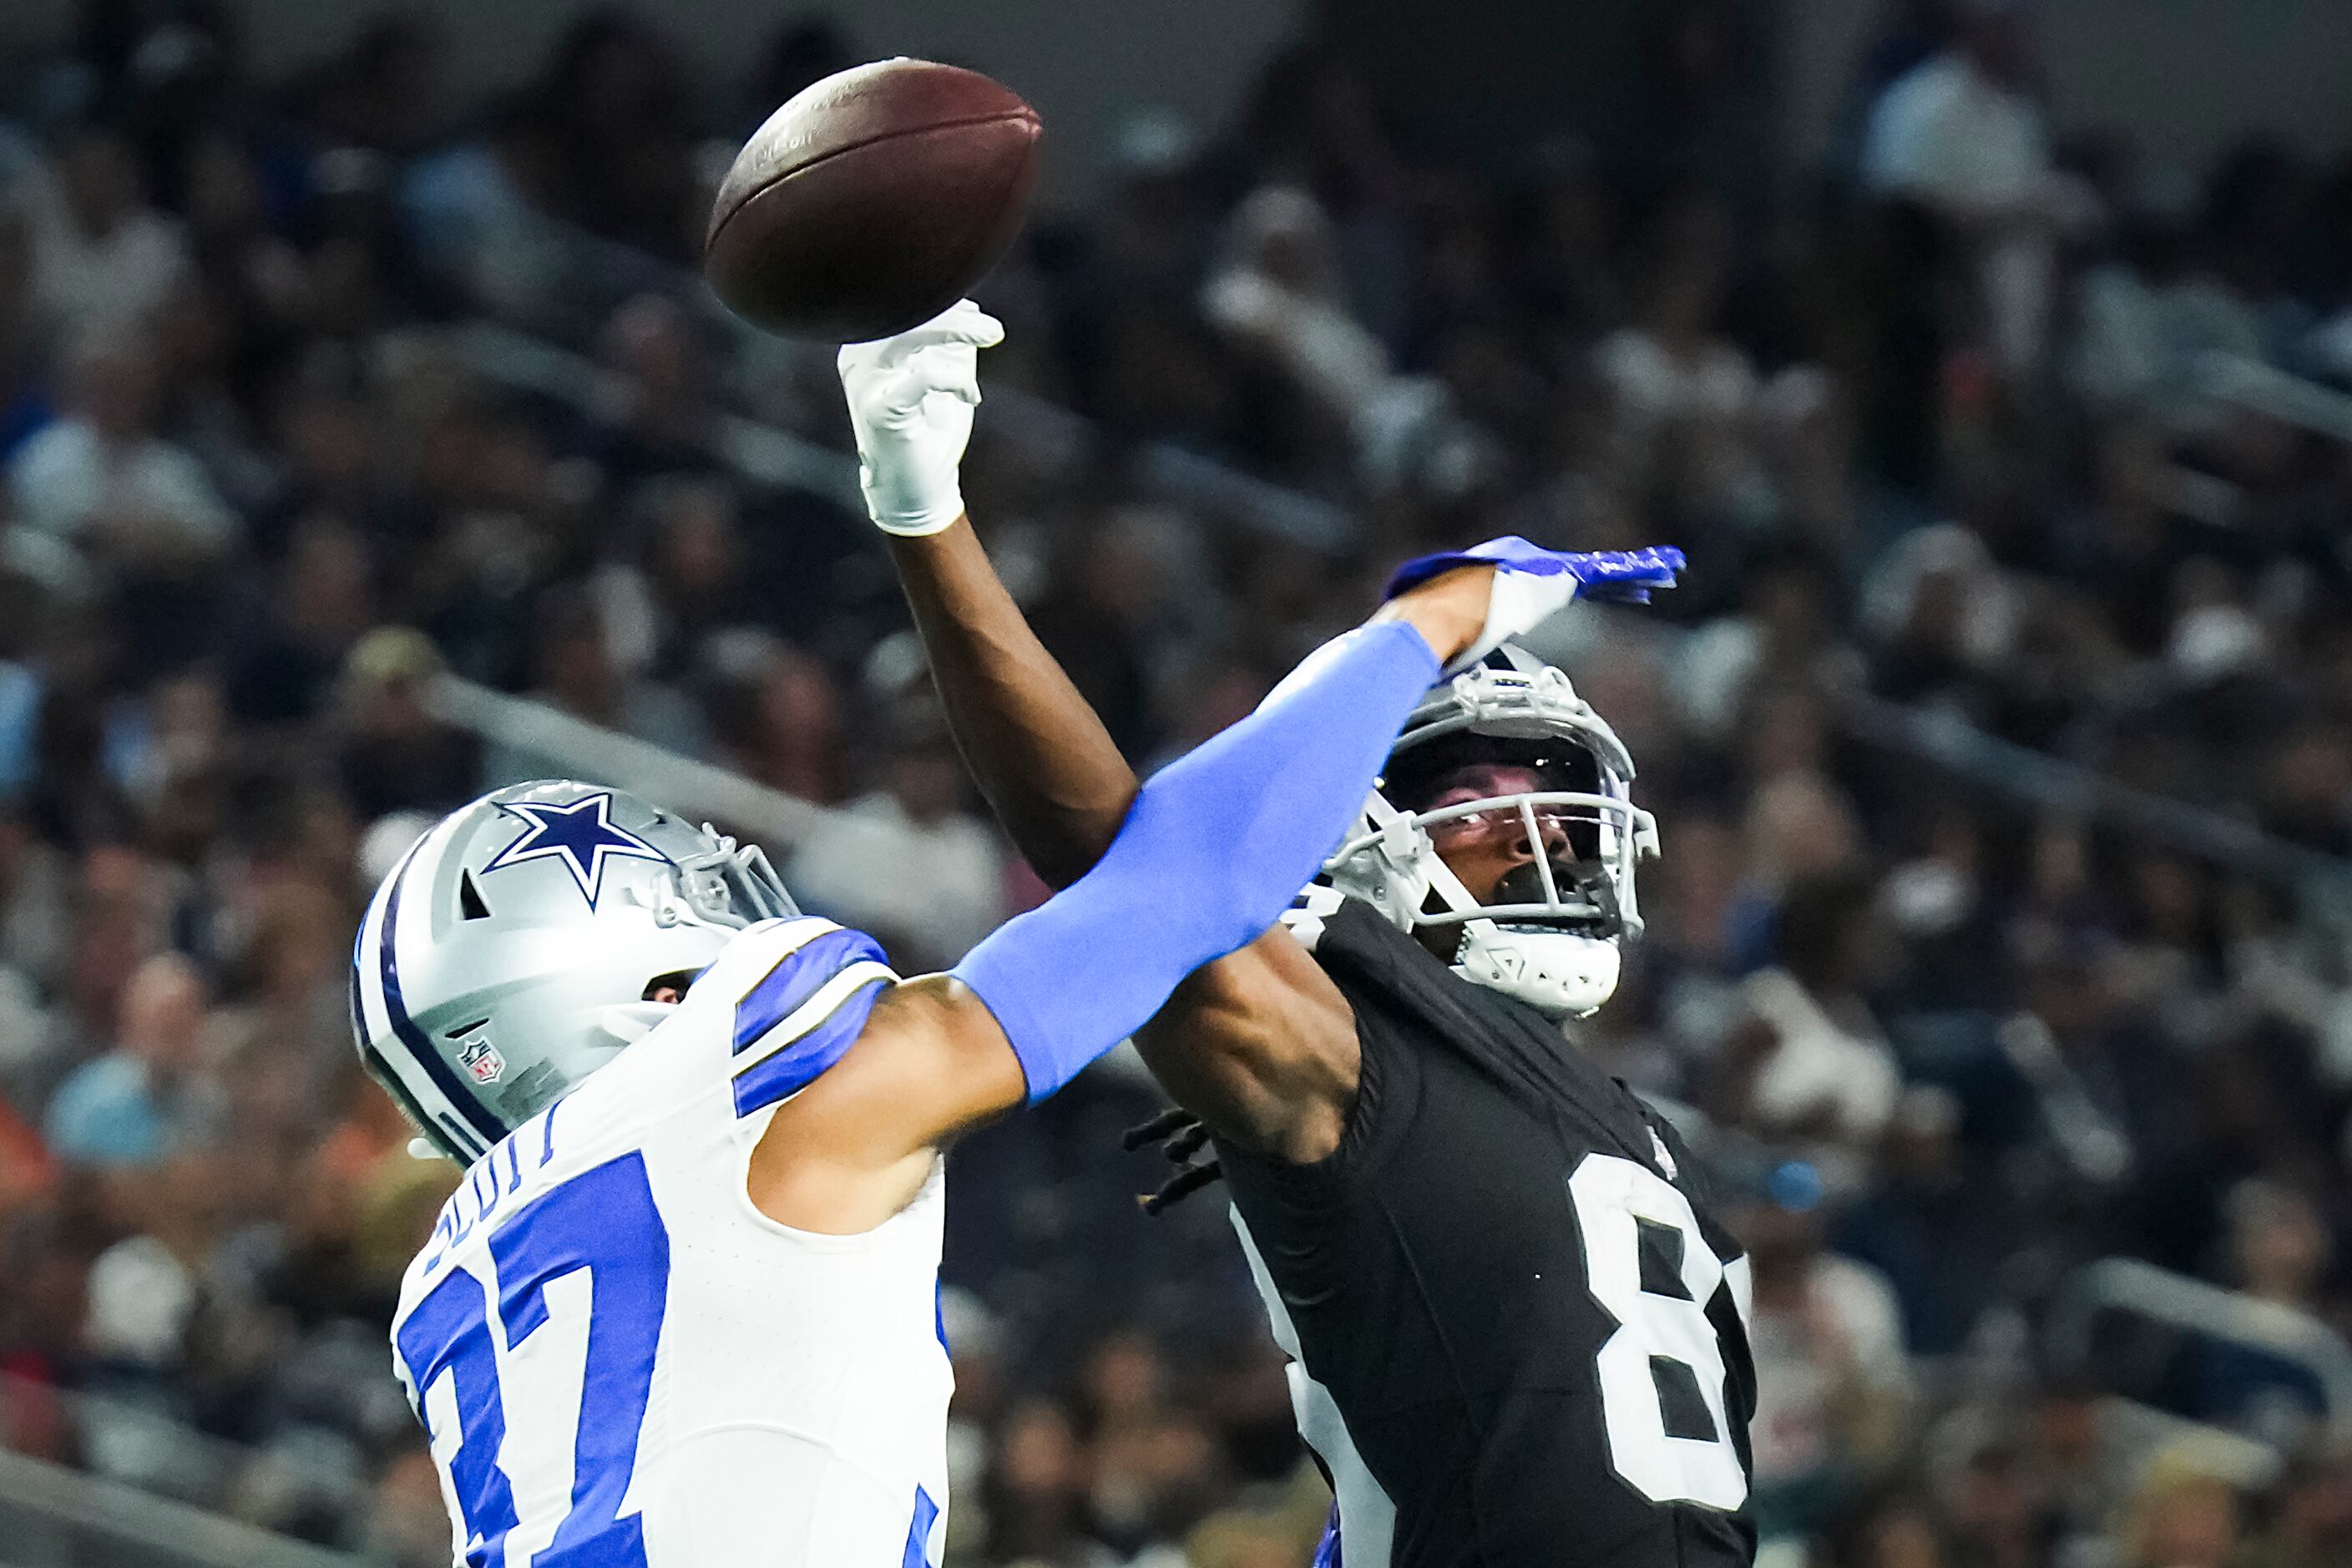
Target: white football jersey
x,y
620,1362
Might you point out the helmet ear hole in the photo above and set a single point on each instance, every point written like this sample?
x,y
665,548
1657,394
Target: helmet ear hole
x,y
469,899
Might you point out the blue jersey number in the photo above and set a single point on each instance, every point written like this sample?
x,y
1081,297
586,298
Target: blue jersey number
x,y
604,1222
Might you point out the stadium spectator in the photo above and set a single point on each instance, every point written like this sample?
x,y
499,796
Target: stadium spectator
x,y
394,755
907,861
103,258
1961,133
1808,1066
1996,1519
779,714
407,1525
102,478
144,1289
1832,1380
2182,1517
1930,1222
148,1098
659,420
574,669
1280,298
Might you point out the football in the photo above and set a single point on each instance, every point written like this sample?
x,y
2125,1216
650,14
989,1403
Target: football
x,y
872,201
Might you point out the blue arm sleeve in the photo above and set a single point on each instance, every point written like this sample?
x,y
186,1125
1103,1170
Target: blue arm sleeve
x,y
1212,851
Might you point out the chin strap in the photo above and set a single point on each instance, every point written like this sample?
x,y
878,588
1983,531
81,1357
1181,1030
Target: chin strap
x,y
1483,939
1479,938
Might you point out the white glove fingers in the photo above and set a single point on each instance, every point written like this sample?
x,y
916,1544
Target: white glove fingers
x,y
962,322
983,333
951,368
988,332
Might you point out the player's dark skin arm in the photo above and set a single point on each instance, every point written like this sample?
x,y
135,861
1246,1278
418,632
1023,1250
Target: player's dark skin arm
x,y
1260,1045
1044,763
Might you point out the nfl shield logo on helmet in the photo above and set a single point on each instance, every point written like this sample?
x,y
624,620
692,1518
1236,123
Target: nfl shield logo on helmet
x,y
481,1059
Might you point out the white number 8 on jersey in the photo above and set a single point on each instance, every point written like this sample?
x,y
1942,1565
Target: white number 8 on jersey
x,y
1665,1352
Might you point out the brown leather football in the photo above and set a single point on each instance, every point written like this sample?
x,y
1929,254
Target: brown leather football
x,y
872,201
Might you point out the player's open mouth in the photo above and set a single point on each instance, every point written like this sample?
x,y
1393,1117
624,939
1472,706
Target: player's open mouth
x,y
1582,903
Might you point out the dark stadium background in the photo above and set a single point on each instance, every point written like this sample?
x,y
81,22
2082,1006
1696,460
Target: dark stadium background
x,y
367,441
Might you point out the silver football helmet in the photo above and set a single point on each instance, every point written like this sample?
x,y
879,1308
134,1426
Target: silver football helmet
x,y
514,949
1551,937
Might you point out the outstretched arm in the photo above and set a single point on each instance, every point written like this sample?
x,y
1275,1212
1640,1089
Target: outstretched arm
x,y
1048,766
1211,852
1049,770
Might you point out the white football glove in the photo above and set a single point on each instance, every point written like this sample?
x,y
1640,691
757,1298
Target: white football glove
x,y
911,402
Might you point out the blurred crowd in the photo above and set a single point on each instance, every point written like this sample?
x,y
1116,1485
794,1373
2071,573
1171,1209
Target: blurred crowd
x,y
1968,426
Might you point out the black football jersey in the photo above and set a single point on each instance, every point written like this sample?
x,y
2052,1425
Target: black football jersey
x,y
1516,1331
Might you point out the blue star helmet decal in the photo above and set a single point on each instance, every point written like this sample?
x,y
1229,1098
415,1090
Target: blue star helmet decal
x,y
580,835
